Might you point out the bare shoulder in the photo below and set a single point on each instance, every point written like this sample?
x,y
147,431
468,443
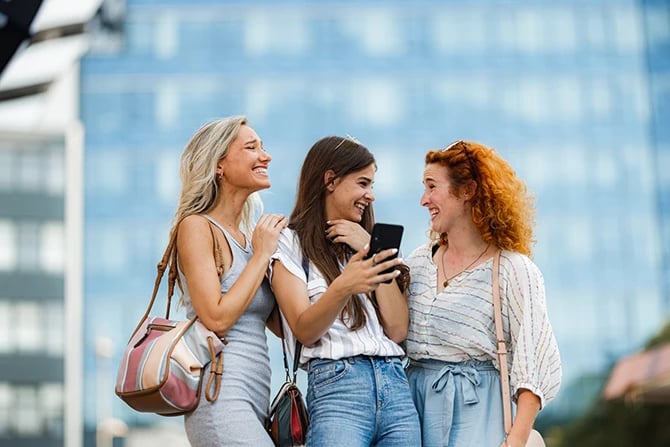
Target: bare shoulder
x,y
193,223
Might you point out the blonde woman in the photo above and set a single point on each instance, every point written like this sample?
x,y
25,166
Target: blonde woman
x,y
222,168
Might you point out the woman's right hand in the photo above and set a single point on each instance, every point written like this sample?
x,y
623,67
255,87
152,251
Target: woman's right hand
x,y
362,275
266,233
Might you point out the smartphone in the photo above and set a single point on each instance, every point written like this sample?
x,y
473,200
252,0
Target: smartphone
x,y
385,236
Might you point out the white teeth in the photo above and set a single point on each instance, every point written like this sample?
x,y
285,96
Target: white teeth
x,y
261,171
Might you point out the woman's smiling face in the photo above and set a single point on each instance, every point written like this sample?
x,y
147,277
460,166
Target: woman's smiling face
x,y
349,196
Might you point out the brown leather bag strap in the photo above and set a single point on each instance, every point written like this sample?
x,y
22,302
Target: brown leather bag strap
x,y
501,345
170,259
161,267
213,385
218,254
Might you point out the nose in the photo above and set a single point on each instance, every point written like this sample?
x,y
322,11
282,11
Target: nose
x,y
265,156
370,196
423,201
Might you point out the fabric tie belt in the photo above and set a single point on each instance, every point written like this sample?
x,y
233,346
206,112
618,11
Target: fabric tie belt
x,y
453,378
445,378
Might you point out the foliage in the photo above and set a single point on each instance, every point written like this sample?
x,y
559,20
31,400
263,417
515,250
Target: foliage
x,y
661,338
618,423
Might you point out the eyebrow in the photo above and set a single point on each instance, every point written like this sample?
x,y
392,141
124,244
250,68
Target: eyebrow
x,y
252,141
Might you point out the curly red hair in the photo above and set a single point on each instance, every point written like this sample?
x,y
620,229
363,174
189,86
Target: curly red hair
x,y
502,208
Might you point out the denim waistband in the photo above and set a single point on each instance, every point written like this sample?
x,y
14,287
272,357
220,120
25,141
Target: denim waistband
x,y
360,358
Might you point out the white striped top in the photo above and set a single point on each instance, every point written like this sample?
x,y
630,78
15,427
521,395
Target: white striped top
x,y
457,324
339,342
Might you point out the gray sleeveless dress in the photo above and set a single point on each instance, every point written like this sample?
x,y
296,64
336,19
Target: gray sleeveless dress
x,y
236,417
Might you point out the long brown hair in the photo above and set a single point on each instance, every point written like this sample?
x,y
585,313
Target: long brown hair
x,y
343,156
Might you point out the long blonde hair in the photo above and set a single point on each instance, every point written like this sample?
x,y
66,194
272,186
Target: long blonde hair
x,y
200,189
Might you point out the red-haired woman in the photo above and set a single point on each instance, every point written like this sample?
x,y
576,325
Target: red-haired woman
x,y
477,206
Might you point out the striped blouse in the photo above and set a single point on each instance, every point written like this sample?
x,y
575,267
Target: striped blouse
x,y
339,341
457,324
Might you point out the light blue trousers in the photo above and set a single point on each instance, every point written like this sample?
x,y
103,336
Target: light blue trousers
x,y
360,402
459,404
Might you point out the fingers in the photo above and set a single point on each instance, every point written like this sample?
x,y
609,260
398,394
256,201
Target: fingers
x,y
383,255
360,254
272,221
343,231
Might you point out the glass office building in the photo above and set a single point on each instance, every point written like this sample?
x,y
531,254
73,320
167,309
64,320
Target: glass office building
x,y
566,91
32,295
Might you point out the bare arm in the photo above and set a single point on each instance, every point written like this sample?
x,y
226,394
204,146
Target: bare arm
x,y
309,322
195,247
528,405
393,311
391,301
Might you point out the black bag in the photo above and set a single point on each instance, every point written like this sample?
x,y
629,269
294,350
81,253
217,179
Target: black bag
x,y
287,420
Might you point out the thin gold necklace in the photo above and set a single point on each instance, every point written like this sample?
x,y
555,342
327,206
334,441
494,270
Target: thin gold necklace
x,y
446,281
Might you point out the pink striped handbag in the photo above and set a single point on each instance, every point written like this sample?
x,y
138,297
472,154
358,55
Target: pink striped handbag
x,y
162,366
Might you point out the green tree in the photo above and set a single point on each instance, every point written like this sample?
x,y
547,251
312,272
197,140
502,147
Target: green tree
x,y
618,423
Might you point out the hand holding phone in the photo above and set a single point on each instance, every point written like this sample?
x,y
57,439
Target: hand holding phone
x,y
385,236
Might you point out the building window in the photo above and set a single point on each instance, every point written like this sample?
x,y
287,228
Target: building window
x,y
6,333
27,419
167,179
165,36
460,30
54,174
8,243
30,171
167,104
28,327
626,33
276,33
530,31
662,159
110,240
28,245
110,168
52,247
559,25
6,407
31,409
54,329
32,327
375,102
379,34
51,396
6,170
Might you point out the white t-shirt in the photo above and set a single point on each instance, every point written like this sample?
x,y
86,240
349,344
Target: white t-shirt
x,y
339,342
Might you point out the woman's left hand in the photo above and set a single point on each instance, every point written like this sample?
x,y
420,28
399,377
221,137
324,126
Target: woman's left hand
x,y
343,231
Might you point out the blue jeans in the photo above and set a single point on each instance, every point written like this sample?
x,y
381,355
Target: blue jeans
x,y
359,402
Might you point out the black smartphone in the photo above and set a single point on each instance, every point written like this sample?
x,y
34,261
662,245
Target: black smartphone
x,y
385,236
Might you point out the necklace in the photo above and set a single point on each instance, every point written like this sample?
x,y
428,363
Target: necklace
x,y
446,280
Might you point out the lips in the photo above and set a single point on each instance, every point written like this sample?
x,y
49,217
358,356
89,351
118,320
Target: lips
x,y
261,170
361,206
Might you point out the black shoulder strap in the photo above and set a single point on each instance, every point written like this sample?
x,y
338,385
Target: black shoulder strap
x,y
298,345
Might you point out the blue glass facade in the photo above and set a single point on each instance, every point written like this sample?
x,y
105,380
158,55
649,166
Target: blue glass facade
x,y
574,94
